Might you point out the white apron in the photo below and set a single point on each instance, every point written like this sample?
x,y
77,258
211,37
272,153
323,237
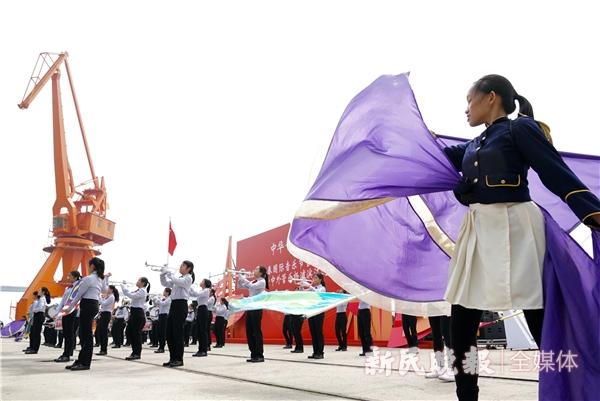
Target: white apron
x,y
499,258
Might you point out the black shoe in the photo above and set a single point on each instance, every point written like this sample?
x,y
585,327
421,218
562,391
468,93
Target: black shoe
x,y
186,345
194,343
344,349
69,367
200,354
62,358
338,349
218,346
80,367
167,364
30,352
58,346
319,356
176,364
27,349
255,360
116,346
96,345
297,351
287,347
132,357
159,351
101,353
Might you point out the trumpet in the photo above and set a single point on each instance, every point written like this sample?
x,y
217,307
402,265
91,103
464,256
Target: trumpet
x,y
163,269
115,282
242,272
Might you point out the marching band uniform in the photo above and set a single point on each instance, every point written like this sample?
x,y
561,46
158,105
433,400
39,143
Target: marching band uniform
x,y
222,313
253,320
201,318
189,321
68,328
210,306
164,305
315,324
137,320
106,307
341,321
38,310
180,292
506,227
364,327
287,330
87,296
121,315
409,326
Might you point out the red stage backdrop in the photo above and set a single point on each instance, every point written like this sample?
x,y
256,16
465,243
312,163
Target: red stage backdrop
x,y
269,249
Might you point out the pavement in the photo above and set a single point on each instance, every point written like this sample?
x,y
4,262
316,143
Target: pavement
x,y
225,375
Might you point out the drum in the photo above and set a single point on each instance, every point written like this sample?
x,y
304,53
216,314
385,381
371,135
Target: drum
x,y
58,323
52,311
153,313
148,325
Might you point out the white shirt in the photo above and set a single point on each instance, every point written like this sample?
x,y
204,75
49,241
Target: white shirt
x,y
164,305
210,304
202,295
318,288
221,310
138,297
90,288
253,288
39,305
190,316
342,308
122,312
180,286
363,305
107,304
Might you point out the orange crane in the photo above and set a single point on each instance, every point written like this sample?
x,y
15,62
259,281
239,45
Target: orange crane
x,y
79,222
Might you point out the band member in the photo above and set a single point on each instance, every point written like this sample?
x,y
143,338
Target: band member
x,y
409,325
254,317
68,320
210,306
121,316
364,327
440,331
41,300
287,330
88,295
194,325
315,323
107,304
222,312
202,315
189,322
180,292
137,315
164,305
341,321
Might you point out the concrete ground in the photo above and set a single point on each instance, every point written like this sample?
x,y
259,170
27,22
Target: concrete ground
x,y
225,375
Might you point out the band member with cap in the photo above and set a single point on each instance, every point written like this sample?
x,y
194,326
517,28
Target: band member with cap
x,y
137,318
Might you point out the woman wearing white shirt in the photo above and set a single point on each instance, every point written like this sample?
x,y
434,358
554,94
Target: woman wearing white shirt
x,y
107,304
210,306
38,309
87,296
254,317
68,321
202,315
180,292
222,312
315,323
137,315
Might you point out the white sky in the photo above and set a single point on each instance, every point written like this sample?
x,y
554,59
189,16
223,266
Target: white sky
x,y
219,113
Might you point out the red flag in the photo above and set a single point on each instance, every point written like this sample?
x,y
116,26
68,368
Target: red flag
x,y
172,240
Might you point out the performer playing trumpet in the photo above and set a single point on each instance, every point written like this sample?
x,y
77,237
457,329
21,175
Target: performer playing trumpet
x,y
254,317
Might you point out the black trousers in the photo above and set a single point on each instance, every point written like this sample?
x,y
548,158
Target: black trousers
x,y
187,330
59,334
409,325
364,329
117,331
220,327
297,321
102,330
440,331
341,321
201,319
464,325
254,333
76,329
194,328
137,320
315,324
35,335
88,309
175,321
287,330
162,330
208,330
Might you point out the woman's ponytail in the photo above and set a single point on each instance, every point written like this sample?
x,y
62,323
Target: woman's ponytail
x,y
525,108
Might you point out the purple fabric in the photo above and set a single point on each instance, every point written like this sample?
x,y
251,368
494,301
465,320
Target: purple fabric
x,y
571,319
387,247
382,148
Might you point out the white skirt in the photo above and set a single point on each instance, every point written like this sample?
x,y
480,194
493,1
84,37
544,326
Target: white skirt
x,y
499,258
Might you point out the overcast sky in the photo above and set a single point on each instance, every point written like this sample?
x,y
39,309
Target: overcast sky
x,y
219,114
